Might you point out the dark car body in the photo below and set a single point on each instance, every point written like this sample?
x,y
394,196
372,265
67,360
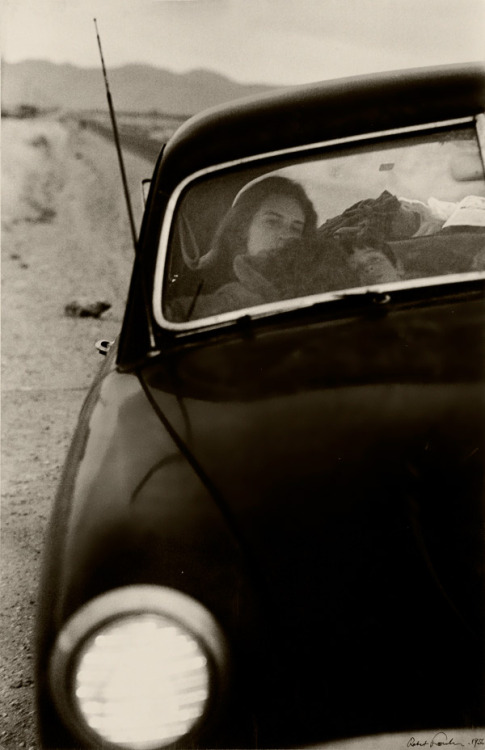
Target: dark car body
x,y
310,474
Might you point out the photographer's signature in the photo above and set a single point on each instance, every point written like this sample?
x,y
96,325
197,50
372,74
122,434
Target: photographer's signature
x,y
441,739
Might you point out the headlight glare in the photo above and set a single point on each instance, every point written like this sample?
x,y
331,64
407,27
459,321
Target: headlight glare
x,y
141,681
137,668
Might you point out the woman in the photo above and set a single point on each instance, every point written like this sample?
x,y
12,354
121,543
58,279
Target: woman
x,y
256,246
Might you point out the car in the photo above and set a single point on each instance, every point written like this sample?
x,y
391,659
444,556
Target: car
x,y
269,527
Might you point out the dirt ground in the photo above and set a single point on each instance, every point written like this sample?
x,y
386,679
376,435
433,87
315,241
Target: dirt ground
x,y
65,236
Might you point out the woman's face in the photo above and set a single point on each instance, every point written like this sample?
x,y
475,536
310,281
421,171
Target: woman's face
x,y
278,220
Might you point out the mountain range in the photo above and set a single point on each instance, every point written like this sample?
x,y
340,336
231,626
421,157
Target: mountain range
x,y
134,88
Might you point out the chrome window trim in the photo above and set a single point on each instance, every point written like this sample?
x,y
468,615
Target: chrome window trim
x,y
271,308
224,318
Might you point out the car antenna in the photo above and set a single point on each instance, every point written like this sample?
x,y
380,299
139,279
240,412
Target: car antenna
x,y
117,142
125,184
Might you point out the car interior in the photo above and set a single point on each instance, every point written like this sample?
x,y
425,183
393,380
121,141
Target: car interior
x,y
405,208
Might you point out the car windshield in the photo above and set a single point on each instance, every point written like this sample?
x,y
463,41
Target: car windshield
x,y
343,219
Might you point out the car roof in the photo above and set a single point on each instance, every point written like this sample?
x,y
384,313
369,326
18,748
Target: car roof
x,y
322,111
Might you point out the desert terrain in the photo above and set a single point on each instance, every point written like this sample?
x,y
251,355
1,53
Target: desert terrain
x,y
65,236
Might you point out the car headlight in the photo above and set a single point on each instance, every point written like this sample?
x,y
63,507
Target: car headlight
x,y
138,667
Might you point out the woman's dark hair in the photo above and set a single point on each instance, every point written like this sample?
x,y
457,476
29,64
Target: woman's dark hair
x,y
231,236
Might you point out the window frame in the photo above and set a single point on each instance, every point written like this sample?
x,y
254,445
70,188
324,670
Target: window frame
x,y
475,121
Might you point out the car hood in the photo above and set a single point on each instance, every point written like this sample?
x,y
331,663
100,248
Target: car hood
x,y
349,456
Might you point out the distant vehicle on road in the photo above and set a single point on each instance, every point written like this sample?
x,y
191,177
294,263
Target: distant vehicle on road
x,y
269,528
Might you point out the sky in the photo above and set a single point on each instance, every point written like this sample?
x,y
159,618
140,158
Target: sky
x,y
251,41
